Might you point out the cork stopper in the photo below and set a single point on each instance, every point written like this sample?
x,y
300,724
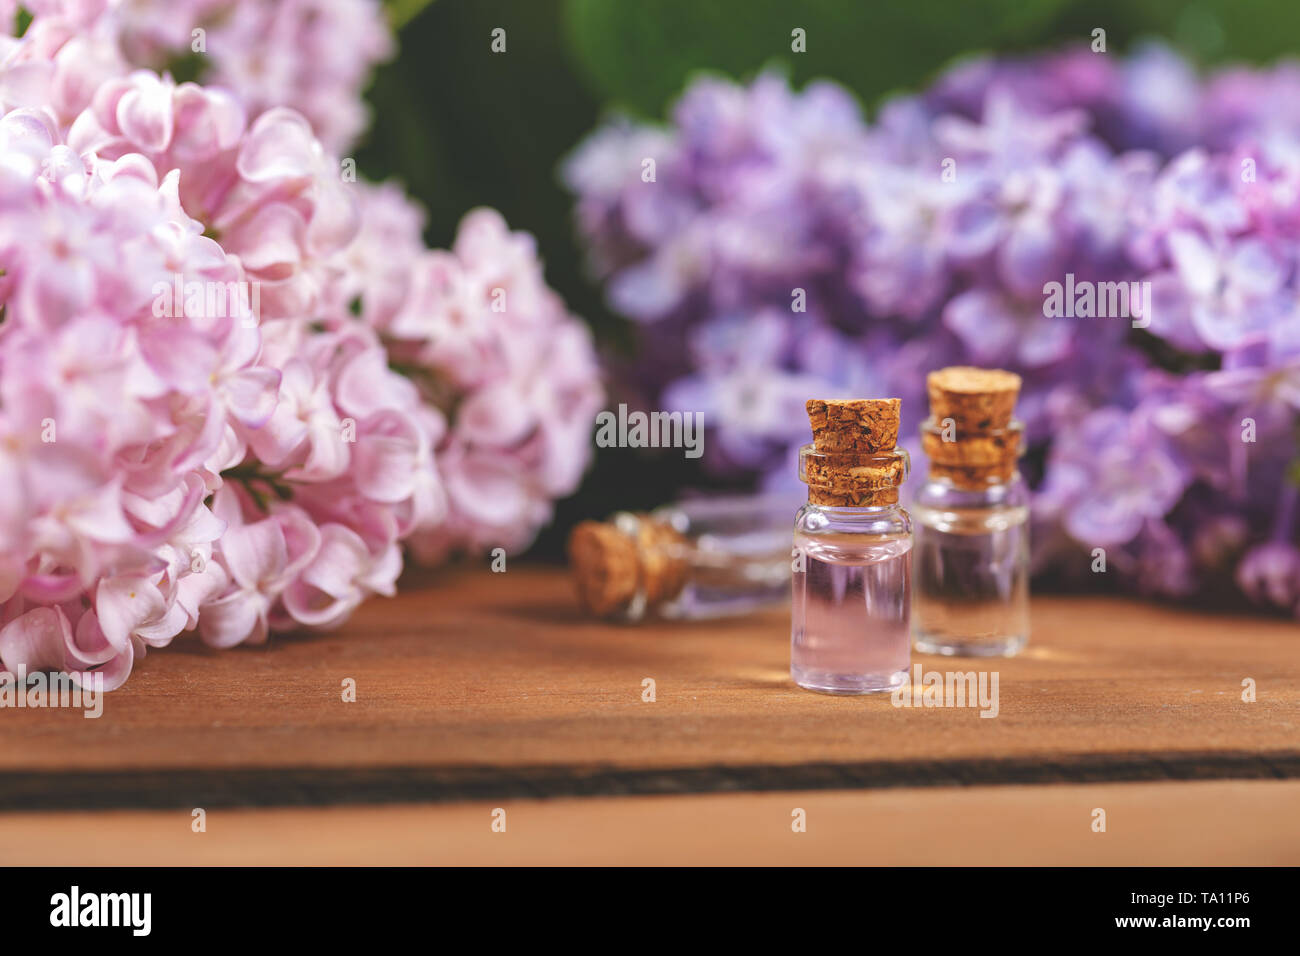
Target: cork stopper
x,y
971,438
852,461
861,426
626,565
977,399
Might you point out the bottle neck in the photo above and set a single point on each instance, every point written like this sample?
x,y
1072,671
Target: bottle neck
x,y
942,492
972,459
848,512
853,480
962,481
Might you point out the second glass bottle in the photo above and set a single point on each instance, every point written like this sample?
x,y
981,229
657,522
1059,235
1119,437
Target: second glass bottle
x,y
972,517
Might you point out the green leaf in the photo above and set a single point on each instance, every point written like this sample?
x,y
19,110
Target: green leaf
x,y
640,55
402,12
1218,30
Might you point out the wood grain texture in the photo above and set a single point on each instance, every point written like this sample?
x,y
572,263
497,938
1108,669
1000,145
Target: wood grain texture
x,y
309,786
471,684
1161,824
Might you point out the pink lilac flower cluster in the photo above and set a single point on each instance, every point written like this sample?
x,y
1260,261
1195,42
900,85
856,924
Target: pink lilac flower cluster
x,y
233,383
784,247
493,348
315,56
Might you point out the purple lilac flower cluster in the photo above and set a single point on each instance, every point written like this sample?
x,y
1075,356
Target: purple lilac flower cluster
x,y
780,246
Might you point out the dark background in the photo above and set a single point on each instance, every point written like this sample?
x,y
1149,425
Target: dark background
x,y
461,126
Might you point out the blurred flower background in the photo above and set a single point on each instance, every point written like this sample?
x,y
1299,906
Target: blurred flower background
x,y
1059,170
1173,447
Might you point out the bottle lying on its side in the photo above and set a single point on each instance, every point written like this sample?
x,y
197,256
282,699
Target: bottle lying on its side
x,y
699,558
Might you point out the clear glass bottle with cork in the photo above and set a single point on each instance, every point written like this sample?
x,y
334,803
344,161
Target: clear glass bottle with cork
x,y
972,519
700,558
850,616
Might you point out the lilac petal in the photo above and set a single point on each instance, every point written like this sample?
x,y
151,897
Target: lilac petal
x,y
496,415
207,121
144,112
1030,256
280,145
180,357
325,592
251,394
982,322
122,604
385,463
646,291
1045,340
88,647
233,619
51,588
254,552
335,219
1103,522
338,563
91,650
35,641
271,242
1197,265
159,632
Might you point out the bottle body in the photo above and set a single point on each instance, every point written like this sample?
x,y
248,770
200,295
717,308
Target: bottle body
x,y
972,568
851,608
736,551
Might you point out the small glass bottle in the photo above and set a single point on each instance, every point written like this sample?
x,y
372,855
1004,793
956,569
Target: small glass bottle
x,y
699,558
972,520
850,616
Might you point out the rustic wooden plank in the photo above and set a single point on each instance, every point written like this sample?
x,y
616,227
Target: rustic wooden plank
x,y
474,679
1161,824
312,786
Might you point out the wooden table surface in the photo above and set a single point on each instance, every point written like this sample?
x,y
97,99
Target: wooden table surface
x,y
477,691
